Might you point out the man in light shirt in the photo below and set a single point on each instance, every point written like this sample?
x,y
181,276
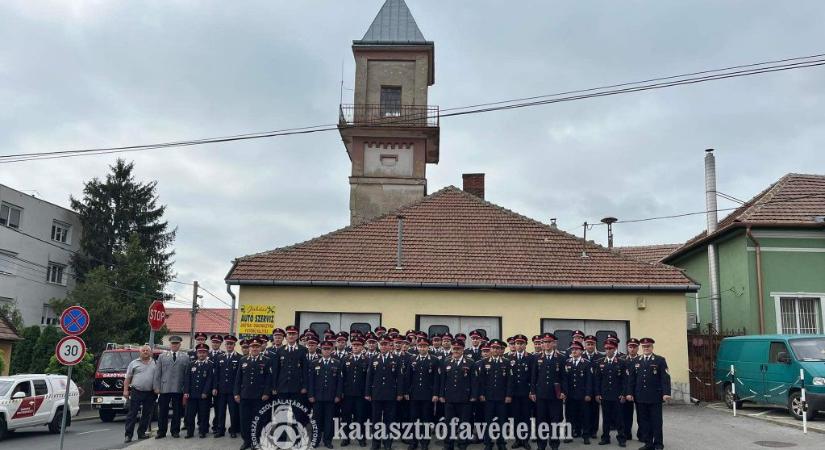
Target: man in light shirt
x,y
140,376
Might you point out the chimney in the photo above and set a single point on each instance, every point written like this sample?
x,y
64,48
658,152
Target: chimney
x,y
713,222
474,184
399,259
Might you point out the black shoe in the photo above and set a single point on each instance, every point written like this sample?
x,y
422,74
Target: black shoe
x,y
622,444
345,443
376,445
526,445
645,447
233,435
175,435
160,436
516,444
189,436
328,445
142,436
577,435
586,440
127,440
604,442
202,435
567,441
412,446
219,435
362,442
245,446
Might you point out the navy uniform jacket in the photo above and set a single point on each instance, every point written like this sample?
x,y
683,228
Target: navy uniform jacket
x,y
254,377
199,379
548,376
594,357
288,369
355,374
341,354
270,351
423,377
193,355
492,377
473,352
309,359
522,372
609,377
456,380
226,368
385,378
649,380
578,379
214,355
326,381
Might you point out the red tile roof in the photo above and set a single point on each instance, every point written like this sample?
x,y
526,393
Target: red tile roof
x,y
209,320
454,239
796,200
7,331
649,253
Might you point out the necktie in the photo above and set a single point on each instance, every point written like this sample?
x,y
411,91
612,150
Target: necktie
x,y
174,356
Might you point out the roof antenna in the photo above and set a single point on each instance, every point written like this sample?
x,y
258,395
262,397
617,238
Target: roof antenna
x,y
609,221
399,262
584,242
553,223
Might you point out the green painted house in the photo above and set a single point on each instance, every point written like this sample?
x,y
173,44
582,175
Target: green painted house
x,y
771,252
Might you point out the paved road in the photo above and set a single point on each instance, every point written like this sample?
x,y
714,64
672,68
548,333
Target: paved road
x,y
82,435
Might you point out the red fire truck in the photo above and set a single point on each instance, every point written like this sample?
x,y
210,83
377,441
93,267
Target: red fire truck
x,y
110,373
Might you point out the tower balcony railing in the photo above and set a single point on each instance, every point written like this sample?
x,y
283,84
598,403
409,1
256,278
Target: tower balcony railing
x,y
388,116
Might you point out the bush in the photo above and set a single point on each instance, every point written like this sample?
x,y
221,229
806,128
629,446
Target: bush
x,y
21,355
81,373
43,349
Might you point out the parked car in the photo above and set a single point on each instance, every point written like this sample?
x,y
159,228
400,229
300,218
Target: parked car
x,y
35,399
110,373
767,369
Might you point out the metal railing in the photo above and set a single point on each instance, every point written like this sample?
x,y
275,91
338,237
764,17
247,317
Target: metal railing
x,y
388,116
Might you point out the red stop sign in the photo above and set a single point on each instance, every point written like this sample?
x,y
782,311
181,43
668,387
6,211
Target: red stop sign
x,y
157,315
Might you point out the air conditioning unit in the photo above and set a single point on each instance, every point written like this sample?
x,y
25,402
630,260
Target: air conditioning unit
x,y
692,323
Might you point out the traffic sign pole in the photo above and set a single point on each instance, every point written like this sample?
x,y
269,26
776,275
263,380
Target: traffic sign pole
x,y
73,321
66,406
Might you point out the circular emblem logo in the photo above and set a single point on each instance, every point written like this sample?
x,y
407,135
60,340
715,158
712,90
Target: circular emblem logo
x,y
282,425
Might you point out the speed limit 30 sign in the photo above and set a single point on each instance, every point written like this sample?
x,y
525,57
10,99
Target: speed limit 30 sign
x,y
70,350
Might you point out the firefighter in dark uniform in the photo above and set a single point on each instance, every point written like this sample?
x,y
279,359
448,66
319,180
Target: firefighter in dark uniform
x,y
277,342
492,390
546,387
252,387
456,391
325,387
609,388
629,406
200,338
384,389
422,388
402,410
226,368
341,351
649,387
197,392
578,389
215,341
521,364
592,355
311,354
288,368
354,405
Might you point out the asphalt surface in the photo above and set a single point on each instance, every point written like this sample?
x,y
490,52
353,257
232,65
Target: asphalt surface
x,y
687,427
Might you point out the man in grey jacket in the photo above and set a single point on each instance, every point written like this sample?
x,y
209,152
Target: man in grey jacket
x,y
171,370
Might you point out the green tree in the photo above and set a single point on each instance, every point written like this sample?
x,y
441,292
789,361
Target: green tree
x,y
12,315
114,210
116,298
21,355
2,361
43,349
81,373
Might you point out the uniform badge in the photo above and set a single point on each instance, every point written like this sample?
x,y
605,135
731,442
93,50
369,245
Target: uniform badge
x,y
541,361
282,357
194,369
638,365
221,362
375,364
449,367
243,366
513,362
486,366
348,363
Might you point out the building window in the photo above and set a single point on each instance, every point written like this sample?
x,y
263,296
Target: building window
x,y
55,273
800,315
10,215
61,232
48,317
7,264
391,101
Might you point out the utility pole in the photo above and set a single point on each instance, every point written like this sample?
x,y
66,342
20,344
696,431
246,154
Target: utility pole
x,y
194,314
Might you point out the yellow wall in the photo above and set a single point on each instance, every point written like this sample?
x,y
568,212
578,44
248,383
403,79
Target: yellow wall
x,y
521,311
5,347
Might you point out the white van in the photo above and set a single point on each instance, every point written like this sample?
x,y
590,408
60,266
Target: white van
x,y
35,399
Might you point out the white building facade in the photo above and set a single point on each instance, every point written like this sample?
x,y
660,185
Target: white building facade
x,y
37,240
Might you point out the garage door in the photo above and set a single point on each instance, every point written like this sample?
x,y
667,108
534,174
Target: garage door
x,y
336,322
460,324
563,329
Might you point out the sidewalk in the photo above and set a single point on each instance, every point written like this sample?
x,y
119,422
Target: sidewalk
x,y
686,427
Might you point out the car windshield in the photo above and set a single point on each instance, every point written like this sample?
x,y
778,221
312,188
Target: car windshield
x,y
812,349
5,385
112,362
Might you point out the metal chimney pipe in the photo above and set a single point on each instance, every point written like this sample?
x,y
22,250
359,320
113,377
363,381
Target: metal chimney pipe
x,y
713,223
399,260
609,221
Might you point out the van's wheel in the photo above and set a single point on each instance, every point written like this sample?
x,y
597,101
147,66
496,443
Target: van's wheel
x,y
54,425
4,431
729,398
107,415
795,406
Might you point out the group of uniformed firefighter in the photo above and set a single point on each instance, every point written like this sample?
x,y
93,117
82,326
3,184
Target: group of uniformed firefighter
x,y
386,377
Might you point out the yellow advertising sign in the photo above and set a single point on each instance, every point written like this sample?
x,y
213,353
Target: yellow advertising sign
x,y
255,320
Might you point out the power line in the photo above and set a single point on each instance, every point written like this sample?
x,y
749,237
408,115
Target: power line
x,y
664,82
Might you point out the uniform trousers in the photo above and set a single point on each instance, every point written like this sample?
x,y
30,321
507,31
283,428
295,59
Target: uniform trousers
x,y
383,411
322,413
224,401
520,411
578,414
548,411
612,419
457,410
248,409
142,402
650,423
197,406
421,410
495,411
627,419
165,402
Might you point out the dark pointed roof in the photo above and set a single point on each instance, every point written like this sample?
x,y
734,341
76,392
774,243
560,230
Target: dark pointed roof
x,y
453,239
394,24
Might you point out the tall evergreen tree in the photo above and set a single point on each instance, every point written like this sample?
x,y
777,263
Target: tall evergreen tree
x,y
111,211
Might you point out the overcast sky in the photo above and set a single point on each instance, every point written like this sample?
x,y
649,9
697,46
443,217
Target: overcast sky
x,y
79,74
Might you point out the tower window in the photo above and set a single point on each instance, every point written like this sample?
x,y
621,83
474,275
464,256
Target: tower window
x,y
391,101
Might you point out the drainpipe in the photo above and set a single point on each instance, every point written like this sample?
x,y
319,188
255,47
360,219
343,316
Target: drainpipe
x,y
232,312
713,221
759,282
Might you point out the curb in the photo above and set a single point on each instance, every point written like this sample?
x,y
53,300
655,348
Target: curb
x,y
786,424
